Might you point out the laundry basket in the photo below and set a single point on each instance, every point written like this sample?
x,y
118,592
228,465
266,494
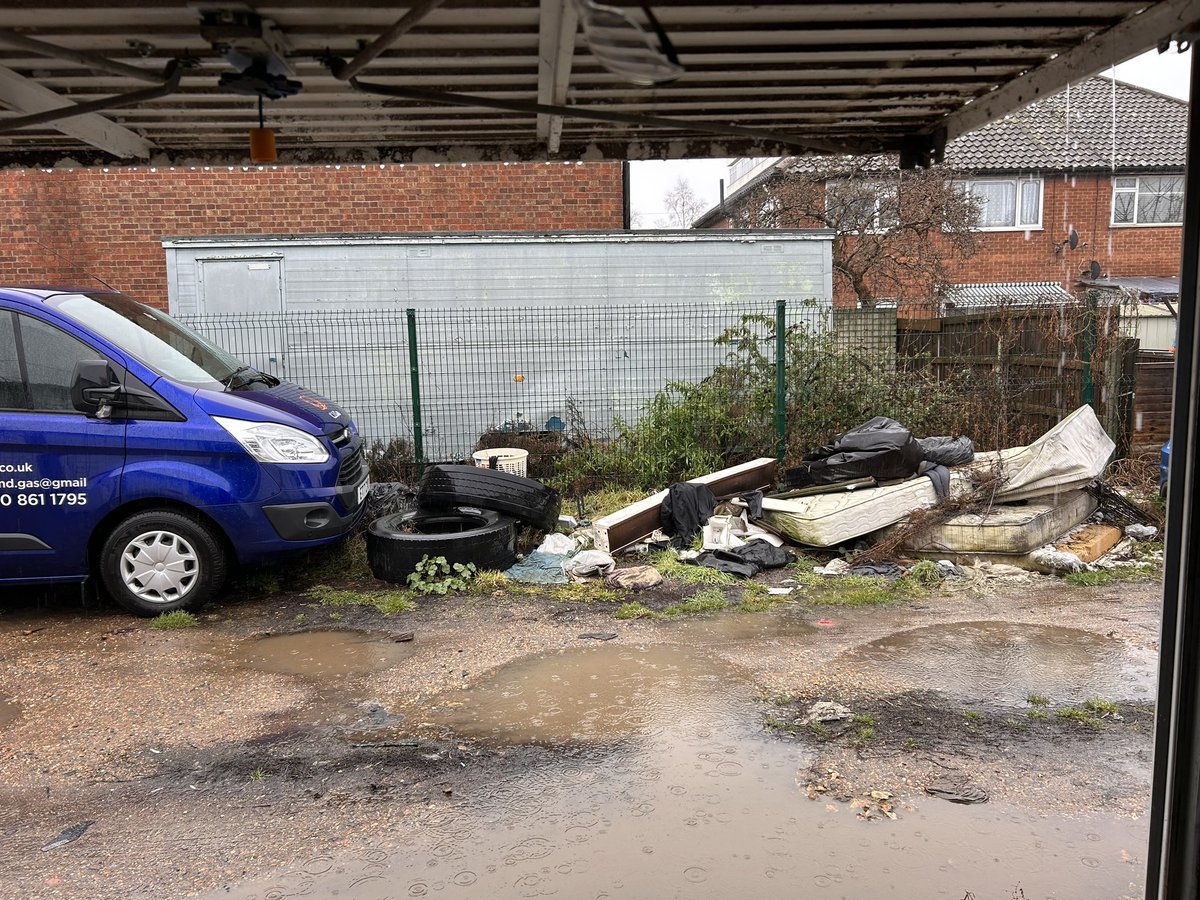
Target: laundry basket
x,y
508,459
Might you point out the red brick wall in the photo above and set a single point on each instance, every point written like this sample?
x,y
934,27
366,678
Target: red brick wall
x,y
1083,201
58,226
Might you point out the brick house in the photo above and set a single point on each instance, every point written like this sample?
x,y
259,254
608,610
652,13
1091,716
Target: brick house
x,y
62,225
1084,185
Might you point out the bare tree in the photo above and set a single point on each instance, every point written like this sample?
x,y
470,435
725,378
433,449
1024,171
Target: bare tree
x,y
898,234
682,205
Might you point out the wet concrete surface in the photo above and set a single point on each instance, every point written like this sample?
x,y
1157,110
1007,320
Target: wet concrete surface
x,y
672,792
499,755
320,654
1006,662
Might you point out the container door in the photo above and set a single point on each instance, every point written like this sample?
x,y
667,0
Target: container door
x,y
241,301
60,470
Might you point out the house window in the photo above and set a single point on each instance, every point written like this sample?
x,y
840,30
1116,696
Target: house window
x,y
861,206
1006,202
1148,200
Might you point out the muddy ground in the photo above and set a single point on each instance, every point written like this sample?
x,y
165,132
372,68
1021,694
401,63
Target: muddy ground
x,y
204,758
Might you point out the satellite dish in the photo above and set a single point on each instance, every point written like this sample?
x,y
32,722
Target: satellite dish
x,y
1073,238
1094,269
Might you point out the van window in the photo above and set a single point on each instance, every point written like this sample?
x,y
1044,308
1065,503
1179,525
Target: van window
x,y
152,337
49,356
12,385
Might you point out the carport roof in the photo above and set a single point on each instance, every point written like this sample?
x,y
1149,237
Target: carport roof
x,y
466,80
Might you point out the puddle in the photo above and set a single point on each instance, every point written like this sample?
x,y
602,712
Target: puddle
x,y
321,653
10,711
781,623
1006,662
682,797
592,695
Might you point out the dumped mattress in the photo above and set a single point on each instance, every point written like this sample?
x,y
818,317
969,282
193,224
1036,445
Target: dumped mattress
x,y
1066,458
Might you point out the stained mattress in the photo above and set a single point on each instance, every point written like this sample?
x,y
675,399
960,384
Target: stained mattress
x,y
1066,458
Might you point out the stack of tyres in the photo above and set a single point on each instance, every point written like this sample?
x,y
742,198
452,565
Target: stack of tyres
x,y
464,514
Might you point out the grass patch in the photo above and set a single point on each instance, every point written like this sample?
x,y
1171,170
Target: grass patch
x,y
1100,707
606,502
910,744
1082,716
387,602
925,572
757,597
1100,577
708,600
973,717
671,566
490,581
1038,700
633,611
1037,713
337,562
819,730
174,620
863,736
862,719
853,590
1015,724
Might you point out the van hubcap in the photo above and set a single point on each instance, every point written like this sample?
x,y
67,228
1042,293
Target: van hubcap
x,y
159,566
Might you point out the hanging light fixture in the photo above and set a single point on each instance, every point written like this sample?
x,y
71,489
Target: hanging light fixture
x,y
262,140
623,47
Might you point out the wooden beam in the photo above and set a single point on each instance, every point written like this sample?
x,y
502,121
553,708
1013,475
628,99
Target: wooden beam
x,y
27,96
626,527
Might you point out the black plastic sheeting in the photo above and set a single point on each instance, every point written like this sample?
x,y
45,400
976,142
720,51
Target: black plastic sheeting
x,y
882,449
746,561
947,451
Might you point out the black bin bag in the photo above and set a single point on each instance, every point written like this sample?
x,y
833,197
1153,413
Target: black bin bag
x,y
882,449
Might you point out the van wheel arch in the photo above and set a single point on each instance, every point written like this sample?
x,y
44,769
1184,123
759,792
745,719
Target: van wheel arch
x,y
113,520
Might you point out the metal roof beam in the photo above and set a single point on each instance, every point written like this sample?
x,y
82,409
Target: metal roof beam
x,y
1130,37
556,50
27,96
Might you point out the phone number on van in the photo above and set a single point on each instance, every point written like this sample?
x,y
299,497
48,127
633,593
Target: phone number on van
x,y
57,499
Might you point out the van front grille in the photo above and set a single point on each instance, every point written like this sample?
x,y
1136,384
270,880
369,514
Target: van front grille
x,y
352,468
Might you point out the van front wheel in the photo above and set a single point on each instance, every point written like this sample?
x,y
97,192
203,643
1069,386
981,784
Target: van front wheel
x,y
159,561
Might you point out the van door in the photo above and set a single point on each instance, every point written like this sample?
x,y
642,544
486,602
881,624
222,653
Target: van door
x,y
60,470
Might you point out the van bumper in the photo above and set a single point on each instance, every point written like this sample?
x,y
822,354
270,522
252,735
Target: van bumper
x,y
310,521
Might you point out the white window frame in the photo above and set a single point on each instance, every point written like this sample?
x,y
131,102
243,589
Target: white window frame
x,y
1136,191
1020,185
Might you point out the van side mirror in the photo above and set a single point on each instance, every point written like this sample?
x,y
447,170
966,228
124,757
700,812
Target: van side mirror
x,y
94,386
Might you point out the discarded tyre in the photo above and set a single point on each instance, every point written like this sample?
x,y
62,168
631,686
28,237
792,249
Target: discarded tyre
x,y
529,502
461,534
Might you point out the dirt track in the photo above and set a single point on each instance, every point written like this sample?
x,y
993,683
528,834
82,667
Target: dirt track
x,y
198,766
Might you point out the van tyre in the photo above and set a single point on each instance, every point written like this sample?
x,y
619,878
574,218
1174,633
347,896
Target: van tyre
x,y
529,502
161,561
460,534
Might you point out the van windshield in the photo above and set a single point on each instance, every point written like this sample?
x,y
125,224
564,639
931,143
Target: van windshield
x,y
153,338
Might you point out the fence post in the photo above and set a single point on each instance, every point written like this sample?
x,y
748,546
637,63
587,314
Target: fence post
x,y
1088,397
414,375
780,378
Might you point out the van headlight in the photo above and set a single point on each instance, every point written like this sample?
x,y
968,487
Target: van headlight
x,y
272,443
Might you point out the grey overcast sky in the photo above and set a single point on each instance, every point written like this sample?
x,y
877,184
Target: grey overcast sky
x,y
1166,73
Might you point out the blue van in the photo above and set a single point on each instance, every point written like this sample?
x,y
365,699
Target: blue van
x,y
135,451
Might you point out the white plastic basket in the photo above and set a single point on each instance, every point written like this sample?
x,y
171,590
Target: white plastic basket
x,y
508,459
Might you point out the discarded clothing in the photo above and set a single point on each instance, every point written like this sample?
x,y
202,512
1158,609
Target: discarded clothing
x,y
746,561
881,448
939,475
539,568
634,578
888,570
753,501
558,544
590,564
947,451
956,791
686,508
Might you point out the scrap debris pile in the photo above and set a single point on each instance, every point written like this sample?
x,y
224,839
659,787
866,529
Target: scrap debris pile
x,y
876,494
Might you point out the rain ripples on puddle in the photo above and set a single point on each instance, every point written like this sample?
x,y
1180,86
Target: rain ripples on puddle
x,y
658,783
1005,662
